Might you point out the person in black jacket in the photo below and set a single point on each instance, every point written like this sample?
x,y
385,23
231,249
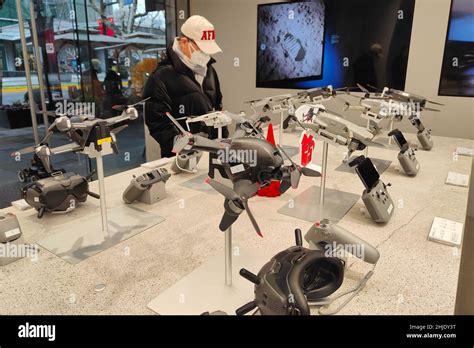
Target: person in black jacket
x,y
184,84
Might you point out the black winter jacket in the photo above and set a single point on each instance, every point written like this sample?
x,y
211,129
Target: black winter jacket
x,y
173,88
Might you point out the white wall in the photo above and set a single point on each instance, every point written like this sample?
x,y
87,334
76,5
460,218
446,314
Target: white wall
x,y
236,27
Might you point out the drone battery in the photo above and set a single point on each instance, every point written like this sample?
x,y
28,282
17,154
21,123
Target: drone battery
x,y
378,202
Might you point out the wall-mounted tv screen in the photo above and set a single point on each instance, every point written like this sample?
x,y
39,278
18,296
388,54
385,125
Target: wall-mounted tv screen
x,y
363,41
290,42
457,74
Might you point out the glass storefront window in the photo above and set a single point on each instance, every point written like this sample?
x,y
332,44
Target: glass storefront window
x,y
92,51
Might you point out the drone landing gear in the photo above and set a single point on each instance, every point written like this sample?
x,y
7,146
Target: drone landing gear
x,y
22,176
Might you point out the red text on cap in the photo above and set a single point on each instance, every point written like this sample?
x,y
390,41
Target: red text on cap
x,y
208,35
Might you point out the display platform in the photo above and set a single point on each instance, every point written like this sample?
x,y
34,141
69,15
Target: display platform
x,y
168,252
306,206
380,164
291,150
81,238
204,289
197,182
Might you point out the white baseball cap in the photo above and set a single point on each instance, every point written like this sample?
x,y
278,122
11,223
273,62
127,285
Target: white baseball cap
x,y
202,32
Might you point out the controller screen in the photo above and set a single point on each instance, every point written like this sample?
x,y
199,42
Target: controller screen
x,y
400,139
368,173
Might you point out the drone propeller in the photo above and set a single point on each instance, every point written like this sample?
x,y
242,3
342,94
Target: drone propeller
x,y
24,151
363,89
347,89
124,107
117,130
376,89
430,109
295,174
435,103
238,118
177,124
31,149
247,122
236,202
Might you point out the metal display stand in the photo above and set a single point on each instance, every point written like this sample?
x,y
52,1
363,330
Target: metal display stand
x,y
74,236
98,155
380,164
332,204
187,295
204,290
228,241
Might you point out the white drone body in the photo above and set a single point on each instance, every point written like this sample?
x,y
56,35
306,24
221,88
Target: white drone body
x,y
270,104
217,119
325,122
335,129
378,109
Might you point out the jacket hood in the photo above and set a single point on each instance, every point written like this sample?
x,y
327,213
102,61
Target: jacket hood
x,y
173,59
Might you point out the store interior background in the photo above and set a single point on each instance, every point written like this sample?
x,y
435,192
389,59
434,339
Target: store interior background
x,y
236,31
236,25
85,55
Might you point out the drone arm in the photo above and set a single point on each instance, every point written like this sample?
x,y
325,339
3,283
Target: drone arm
x,y
75,136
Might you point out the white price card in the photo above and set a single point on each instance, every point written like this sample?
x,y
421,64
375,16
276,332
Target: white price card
x,y
465,151
446,231
457,179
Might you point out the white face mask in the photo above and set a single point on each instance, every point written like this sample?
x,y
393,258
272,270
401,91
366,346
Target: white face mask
x,y
199,57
